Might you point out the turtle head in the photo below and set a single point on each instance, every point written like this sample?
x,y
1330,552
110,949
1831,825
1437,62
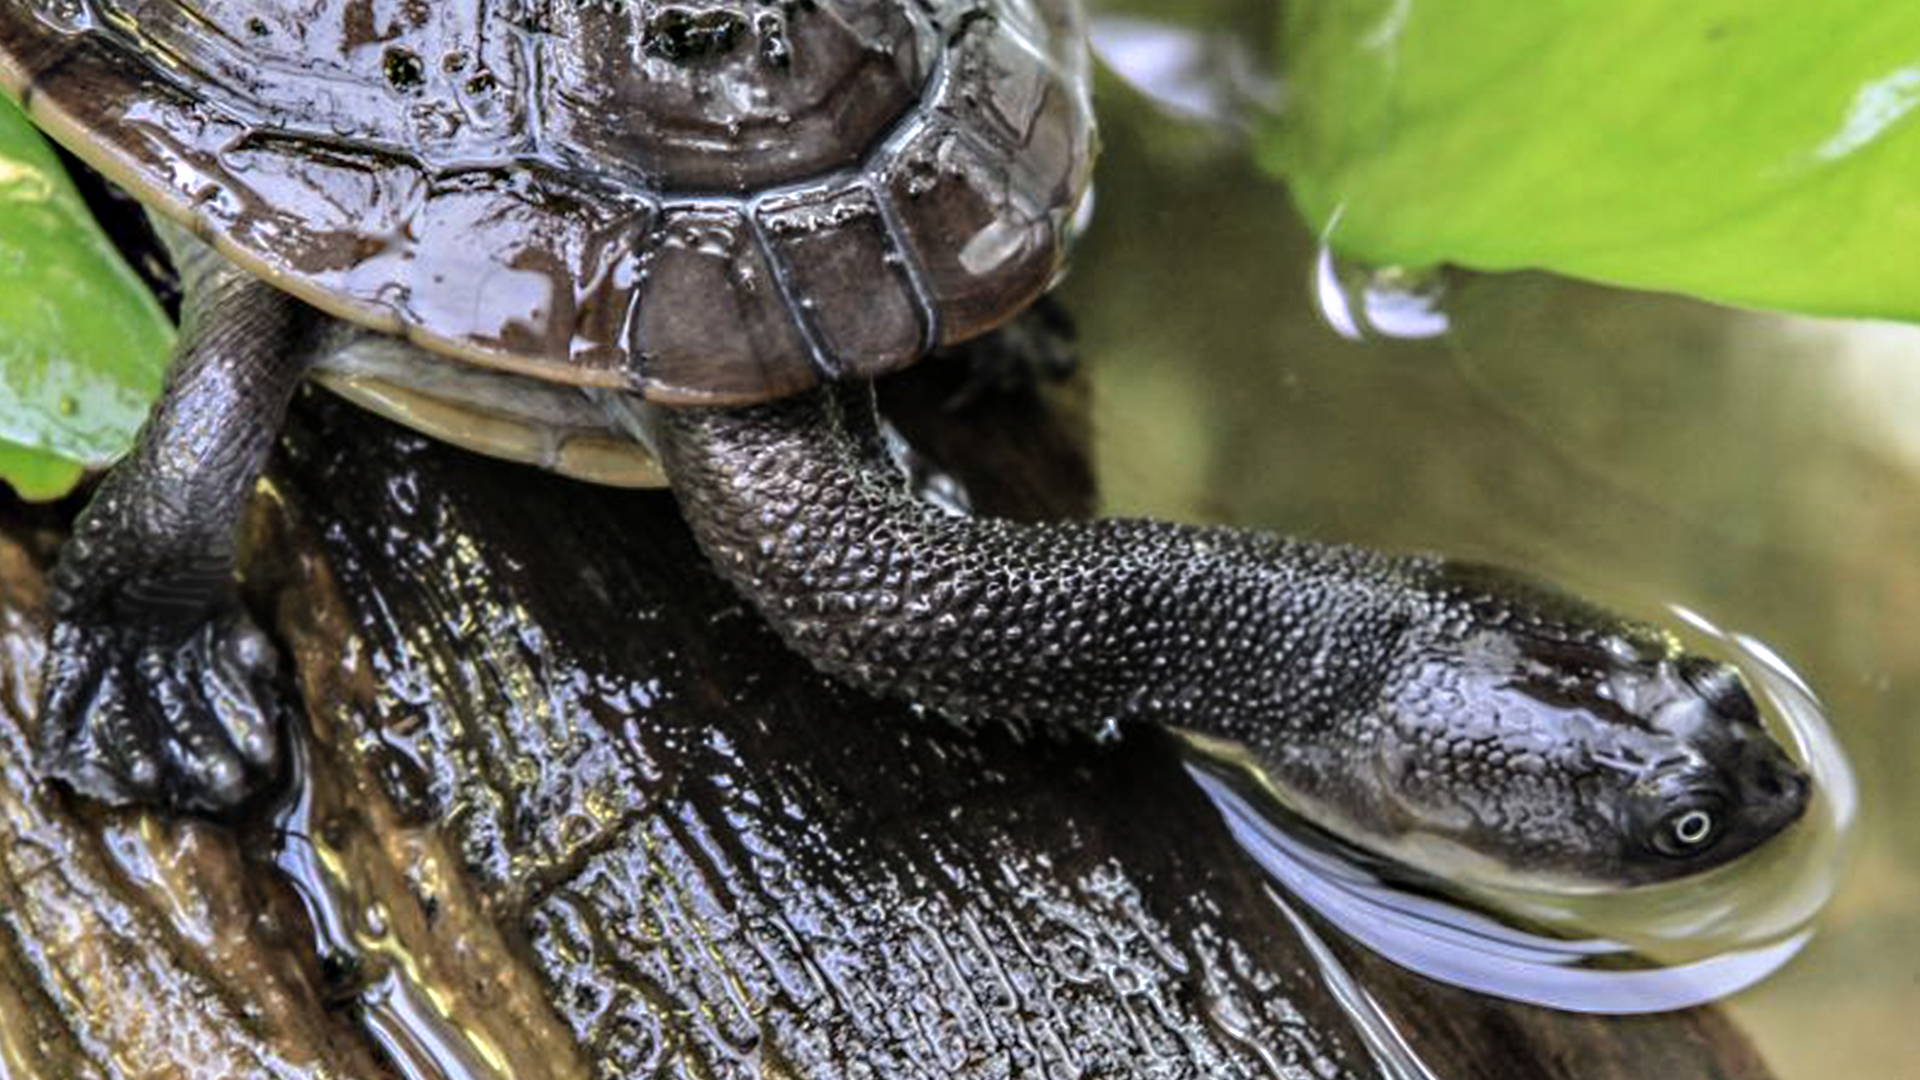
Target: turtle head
x,y
1531,737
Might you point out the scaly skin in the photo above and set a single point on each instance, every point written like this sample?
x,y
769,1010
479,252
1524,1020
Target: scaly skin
x,y
1430,710
158,687
1400,698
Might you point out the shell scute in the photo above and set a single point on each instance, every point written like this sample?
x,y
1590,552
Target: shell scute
x,y
985,247
332,208
533,267
854,289
720,201
1010,91
791,93
420,76
713,322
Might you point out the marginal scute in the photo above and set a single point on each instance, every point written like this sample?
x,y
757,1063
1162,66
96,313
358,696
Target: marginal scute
x,y
987,250
485,177
713,323
996,85
1032,115
856,292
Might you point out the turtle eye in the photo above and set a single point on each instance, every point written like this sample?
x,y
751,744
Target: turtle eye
x,y
1687,832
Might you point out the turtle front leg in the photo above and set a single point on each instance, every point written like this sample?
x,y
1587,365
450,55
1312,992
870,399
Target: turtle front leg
x,y
158,688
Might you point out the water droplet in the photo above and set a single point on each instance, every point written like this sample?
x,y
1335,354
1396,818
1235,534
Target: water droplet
x,y
403,69
1391,302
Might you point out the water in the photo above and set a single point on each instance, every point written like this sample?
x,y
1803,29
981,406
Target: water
x,y
1651,949
401,1008
1384,1042
1654,451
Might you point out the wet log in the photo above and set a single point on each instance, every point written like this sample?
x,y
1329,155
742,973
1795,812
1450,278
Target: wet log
x,y
132,945
566,809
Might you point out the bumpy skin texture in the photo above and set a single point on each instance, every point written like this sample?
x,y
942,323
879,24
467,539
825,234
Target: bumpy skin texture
x,y
1401,699
159,688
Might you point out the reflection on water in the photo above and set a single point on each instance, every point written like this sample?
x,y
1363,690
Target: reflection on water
x,y
1652,949
1360,302
1459,944
1389,1048
1208,77
1644,448
370,967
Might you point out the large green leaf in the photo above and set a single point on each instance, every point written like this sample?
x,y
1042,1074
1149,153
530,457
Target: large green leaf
x,y
82,342
1761,152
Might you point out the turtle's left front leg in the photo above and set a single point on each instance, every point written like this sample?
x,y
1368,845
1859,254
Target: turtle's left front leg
x,y
158,688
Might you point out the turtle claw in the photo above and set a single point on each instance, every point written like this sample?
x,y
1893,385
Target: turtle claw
x,y
132,714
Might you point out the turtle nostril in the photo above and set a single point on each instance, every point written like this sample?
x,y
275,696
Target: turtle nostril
x,y
1799,787
1787,790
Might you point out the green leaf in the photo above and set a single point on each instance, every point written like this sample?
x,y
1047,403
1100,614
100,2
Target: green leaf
x,y
82,341
36,474
1758,152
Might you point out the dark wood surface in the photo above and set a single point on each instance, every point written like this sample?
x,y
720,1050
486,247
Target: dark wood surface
x,y
568,810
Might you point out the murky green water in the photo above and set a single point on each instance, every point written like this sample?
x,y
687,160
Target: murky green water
x,y
1762,470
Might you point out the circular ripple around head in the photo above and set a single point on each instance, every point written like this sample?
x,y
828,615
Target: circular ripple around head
x,y
1654,948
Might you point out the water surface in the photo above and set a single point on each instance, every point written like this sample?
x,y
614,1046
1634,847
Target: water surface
x,y
1760,469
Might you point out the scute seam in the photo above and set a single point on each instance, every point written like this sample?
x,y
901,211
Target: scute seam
x,y
122,161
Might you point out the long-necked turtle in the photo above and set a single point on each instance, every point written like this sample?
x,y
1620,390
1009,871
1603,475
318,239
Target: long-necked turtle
x,y
722,217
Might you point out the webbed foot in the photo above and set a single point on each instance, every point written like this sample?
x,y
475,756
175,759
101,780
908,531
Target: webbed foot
x,y
157,688
138,713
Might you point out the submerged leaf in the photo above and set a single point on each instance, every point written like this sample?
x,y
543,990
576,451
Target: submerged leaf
x,y
1757,152
82,342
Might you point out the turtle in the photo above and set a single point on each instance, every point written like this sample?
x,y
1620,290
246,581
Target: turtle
x,y
701,229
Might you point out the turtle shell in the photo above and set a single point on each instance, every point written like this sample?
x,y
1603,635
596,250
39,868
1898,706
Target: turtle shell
x,y
708,201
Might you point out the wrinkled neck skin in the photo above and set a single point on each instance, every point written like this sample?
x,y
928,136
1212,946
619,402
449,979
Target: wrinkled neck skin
x,y
1424,709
